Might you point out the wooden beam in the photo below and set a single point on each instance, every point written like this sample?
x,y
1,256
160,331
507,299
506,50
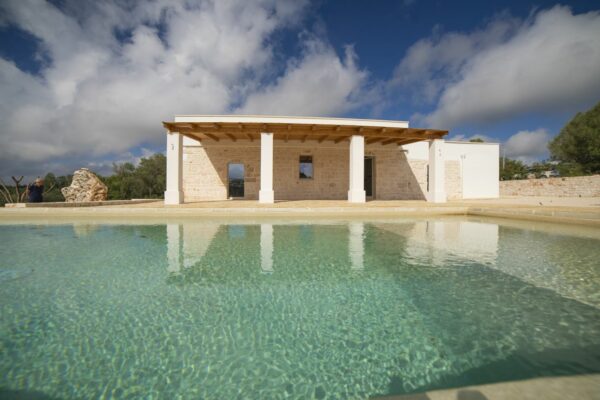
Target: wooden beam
x,y
374,140
341,138
286,138
388,141
213,137
230,136
304,138
250,137
322,138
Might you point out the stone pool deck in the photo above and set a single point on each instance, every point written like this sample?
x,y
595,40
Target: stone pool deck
x,y
581,387
565,210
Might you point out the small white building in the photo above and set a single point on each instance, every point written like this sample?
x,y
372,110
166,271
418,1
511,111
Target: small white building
x,y
218,157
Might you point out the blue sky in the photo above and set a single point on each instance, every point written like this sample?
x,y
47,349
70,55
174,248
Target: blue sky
x,y
87,83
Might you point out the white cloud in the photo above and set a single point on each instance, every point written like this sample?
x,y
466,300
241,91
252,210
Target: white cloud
x,y
431,63
464,138
99,96
319,84
528,146
547,63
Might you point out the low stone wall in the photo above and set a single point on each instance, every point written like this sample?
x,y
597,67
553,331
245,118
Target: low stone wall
x,y
576,186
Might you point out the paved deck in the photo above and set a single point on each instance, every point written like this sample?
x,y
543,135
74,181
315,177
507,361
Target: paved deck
x,y
564,210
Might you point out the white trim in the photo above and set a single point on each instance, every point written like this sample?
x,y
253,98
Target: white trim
x,y
269,119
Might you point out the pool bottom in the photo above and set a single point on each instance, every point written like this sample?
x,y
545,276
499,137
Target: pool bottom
x,y
316,316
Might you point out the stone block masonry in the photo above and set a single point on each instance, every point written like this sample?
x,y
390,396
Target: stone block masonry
x,y
395,176
576,186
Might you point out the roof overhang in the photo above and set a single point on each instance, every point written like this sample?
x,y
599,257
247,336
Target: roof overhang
x,y
249,127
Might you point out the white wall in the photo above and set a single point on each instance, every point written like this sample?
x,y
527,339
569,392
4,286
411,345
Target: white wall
x,y
479,165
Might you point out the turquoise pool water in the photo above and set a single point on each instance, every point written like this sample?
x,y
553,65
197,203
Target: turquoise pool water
x,y
285,309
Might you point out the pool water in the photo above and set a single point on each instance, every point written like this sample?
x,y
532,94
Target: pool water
x,y
292,309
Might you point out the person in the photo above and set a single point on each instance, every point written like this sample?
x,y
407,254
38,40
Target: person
x,y
35,191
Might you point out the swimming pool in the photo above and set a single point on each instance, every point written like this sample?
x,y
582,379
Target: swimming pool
x,y
222,309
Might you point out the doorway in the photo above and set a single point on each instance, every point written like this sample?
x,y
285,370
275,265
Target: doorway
x,y
235,176
369,177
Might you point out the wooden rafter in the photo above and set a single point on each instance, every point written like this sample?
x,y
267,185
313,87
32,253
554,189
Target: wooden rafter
x,y
230,136
322,138
374,140
341,138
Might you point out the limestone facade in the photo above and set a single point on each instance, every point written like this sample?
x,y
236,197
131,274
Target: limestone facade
x,y
205,171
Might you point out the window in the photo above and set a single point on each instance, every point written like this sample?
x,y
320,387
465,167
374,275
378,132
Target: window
x,y
306,167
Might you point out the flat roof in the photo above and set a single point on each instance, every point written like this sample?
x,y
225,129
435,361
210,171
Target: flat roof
x,y
249,127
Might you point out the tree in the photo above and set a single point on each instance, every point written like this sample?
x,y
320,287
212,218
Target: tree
x,y
512,169
477,140
579,142
146,181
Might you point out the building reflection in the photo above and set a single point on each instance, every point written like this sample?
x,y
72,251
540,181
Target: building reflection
x,y
266,248
356,245
436,242
189,242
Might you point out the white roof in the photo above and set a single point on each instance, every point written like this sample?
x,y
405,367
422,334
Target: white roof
x,y
272,119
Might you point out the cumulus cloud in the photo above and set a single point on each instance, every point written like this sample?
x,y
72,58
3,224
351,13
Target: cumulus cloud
x,y
318,84
528,146
112,71
547,63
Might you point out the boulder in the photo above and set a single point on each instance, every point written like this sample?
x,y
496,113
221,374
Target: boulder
x,y
85,187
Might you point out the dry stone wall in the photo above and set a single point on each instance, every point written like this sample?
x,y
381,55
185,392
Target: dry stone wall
x,y
576,186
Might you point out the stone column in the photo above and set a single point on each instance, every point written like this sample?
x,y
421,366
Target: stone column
x,y
266,194
436,192
356,194
174,192
266,248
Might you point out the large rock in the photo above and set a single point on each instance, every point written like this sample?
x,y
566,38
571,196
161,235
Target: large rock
x,y
85,187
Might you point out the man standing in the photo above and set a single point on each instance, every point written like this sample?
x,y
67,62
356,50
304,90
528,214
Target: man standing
x,y
35,191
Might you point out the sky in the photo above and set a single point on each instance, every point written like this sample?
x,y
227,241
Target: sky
x,y
87,83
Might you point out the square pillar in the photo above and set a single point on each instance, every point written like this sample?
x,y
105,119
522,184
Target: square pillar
x,y
174,192
356,194
266,194
436,192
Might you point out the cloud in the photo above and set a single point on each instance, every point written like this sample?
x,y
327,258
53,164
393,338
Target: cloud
x,y
465,138
320,84
432,63
113,71
528,146
547,63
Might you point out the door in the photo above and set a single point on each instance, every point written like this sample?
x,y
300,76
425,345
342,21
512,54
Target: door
x,y
235,175
369,169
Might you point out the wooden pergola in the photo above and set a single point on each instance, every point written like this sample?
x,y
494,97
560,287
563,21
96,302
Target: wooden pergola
x,y
319,132
266,129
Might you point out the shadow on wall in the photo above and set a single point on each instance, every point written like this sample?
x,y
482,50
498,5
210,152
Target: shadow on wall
x,y
414,189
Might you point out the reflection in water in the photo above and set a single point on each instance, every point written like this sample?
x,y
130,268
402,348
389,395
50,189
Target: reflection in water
x,y
266,248
437,241
356,245
174,248
110,324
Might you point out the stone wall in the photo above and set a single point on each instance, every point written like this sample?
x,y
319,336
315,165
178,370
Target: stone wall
x,y
395,177
576,186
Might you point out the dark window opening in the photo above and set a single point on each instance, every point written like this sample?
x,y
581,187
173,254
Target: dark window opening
x,y
306,167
